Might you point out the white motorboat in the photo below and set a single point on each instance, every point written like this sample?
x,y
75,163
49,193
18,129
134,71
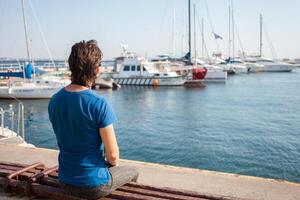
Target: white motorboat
x,y
254,67
215,74
232,66
131,69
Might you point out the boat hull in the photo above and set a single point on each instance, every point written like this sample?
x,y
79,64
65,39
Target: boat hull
x,y
215,76
278,68
28,93
151,81
273,67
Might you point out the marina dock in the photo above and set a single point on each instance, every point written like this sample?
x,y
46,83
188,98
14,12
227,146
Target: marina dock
x,y
201,181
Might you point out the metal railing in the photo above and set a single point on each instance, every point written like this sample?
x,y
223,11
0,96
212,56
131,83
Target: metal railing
x,y
20,125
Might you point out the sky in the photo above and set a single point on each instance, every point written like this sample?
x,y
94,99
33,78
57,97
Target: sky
x,y
147,27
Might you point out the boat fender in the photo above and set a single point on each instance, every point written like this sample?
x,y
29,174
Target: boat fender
x,y
155,82
28,71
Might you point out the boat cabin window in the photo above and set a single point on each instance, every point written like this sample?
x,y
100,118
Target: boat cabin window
x,y
138,68
165,74
236,61
126,68
265,60
156,74
132,67
144,69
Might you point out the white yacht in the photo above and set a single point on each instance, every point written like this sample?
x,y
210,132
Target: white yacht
x,y
266,64
232,66
214,73
236,66
269,65
131,69
26,87
30,89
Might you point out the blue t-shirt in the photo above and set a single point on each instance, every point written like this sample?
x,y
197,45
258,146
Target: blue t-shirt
x,y
76,118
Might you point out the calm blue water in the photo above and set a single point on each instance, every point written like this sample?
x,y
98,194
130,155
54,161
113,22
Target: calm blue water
x,y
250,125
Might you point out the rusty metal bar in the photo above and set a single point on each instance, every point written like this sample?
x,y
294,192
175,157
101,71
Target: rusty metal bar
x,y
42,174
10,176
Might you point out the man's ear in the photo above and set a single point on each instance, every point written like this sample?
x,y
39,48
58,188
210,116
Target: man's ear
x,y
98,71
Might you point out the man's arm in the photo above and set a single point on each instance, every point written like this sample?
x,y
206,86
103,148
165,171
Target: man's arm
x,y
111,147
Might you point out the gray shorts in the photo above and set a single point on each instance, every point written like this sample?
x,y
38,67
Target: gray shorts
x,y
120,175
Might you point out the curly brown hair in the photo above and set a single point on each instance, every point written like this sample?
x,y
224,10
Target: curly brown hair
x,y
84,59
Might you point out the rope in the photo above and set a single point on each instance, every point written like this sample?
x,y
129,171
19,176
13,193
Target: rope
x,y
42,33
272,49
239,39
211,24
204,44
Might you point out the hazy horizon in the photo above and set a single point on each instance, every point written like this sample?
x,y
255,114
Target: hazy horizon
x,y
146,26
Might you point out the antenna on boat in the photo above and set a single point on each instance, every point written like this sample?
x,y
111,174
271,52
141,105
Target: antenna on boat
x,y
26,35
124,50
195,29
233,35
43,35
229,34
173,34
202,36
260,34
190,38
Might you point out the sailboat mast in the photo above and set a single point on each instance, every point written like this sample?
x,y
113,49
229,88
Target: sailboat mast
x,y
233,35
25,28
229,33
190,38
202,35
260,36
195,41
173,34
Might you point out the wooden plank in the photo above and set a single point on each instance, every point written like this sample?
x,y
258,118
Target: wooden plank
x,y
166,194
49,187
179,192
13,164
130,196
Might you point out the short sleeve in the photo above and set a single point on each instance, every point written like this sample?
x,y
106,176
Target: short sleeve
x,y
106,115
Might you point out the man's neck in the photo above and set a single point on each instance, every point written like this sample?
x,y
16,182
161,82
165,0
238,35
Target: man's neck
x,y
75,88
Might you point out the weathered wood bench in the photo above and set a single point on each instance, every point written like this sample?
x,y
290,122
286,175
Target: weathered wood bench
x,y
39,181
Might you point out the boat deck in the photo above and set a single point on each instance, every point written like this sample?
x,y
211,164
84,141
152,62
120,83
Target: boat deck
x,y
202,181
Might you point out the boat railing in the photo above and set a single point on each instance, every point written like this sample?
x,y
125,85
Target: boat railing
x,y
10,67
20,123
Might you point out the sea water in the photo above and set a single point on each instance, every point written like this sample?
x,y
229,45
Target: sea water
x,y
250,125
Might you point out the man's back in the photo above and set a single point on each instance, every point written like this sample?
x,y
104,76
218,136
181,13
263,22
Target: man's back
x,y
76,118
